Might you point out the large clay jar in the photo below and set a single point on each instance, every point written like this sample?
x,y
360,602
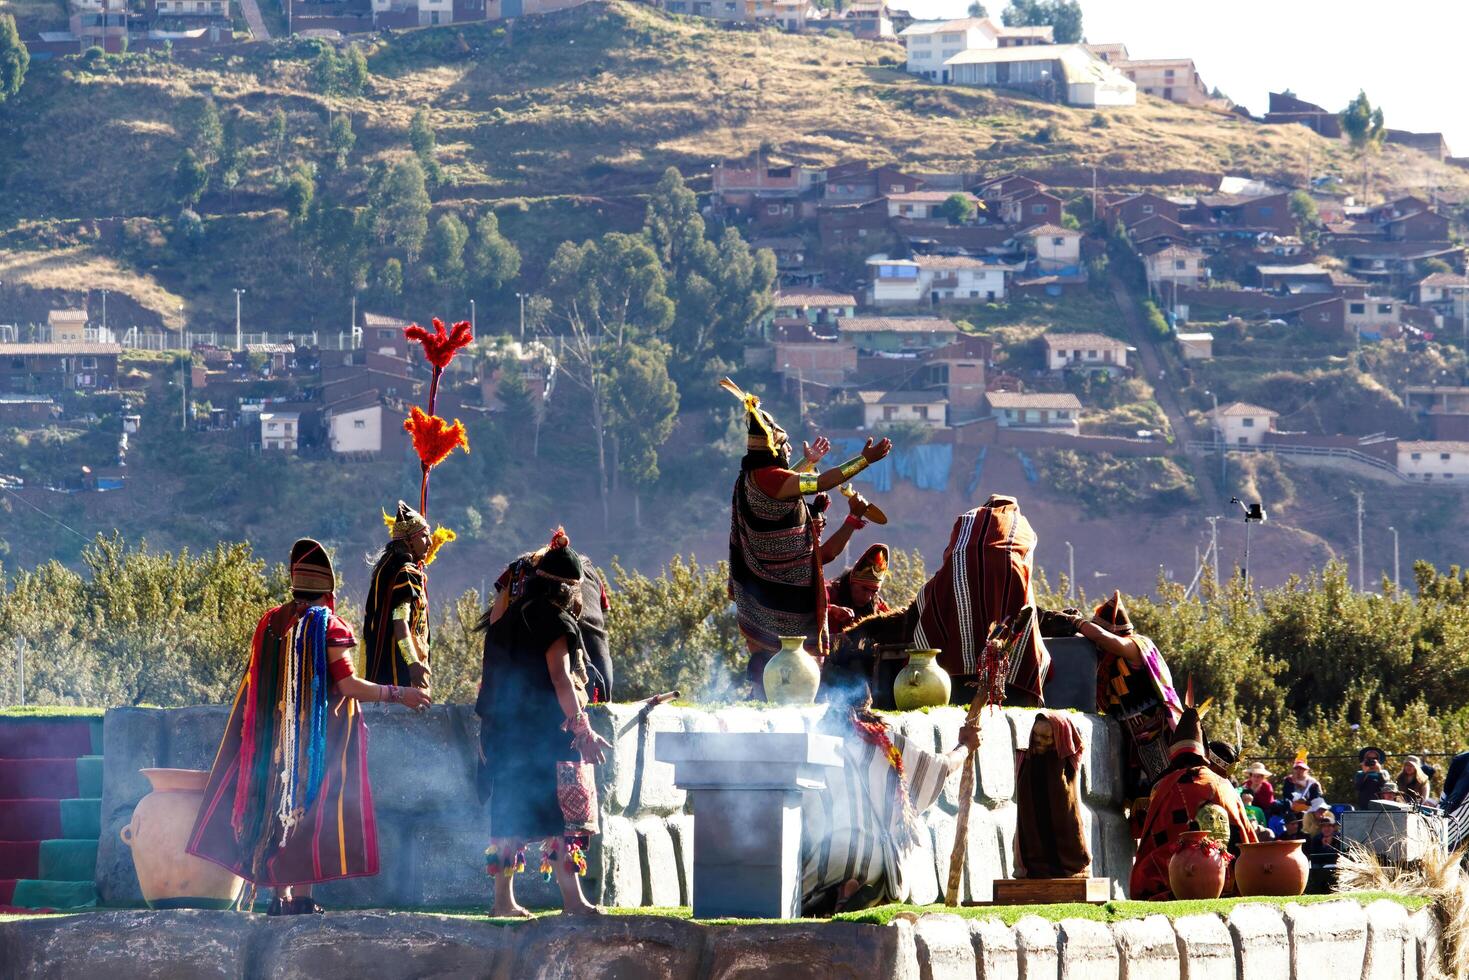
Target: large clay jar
x,y
792,675
162,821
923,683
1272,867
1197,868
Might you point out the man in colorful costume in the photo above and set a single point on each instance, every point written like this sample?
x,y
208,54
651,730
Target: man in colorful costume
x,y
857,593
395,629
1190,795
288,803
775,549
1135,687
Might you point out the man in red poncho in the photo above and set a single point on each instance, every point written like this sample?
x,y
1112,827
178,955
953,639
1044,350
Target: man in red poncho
x,y
1188,786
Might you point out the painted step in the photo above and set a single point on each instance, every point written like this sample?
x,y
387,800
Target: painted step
x,y
61,859
23,820
51,778
49,738
30,893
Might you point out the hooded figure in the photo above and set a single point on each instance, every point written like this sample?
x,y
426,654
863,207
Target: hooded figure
x,y
1050,841
395,621
1188,787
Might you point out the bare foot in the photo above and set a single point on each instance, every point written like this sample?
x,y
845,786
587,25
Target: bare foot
x,y
584,908
513,912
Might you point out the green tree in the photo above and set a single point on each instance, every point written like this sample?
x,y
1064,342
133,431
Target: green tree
x,y
1062,16
492,258
1308,219
188,231
425,146
1366,130
355,71
341,139
976,9
446,247
642,407
276,132
390,278
614,286
199,122
189,179
326,70
957,208
14,58
300,190
401,211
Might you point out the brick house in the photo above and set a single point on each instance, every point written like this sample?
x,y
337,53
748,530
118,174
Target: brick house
x,y
1133,208
1175,265
1249,213
961,369
814,304
847,225
925,205
384,334
893,334
1055,248
1447,289
854,183
67,326
1036,208
823,361
52,368
1084,351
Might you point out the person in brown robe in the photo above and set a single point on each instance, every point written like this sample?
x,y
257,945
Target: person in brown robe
x,y
1050,841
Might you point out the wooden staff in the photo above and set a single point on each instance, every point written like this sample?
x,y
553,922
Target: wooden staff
x,y
990,692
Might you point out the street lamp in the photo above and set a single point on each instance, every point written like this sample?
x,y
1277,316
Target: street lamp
x,y
1254,514
104,313
1070,571
239,345
521,297
471,317
1395,584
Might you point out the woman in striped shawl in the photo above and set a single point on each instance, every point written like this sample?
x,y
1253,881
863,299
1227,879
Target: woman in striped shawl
x,y
861,832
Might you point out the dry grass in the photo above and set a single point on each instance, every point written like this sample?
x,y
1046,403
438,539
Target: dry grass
x,y
74,271
1439,876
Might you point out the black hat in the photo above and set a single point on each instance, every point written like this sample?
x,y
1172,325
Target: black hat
x,y
1381,755
311,568
560,562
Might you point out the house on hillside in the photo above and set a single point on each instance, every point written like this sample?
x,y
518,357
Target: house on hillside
x,y
931,43
1443,289
961,369
862,224
1305,277
1244,215
1132,208
1243,424
1039,207
53,368
1173,267
1036,410
896,334
1174,79
280,431
886,407
1433,144
1198,346
814,304
384,334
866,19
926,205
1056,249
20,410
936,279
827,362
996,190
1065,73
856,183
1428,462
1084,352
1286,108
67,326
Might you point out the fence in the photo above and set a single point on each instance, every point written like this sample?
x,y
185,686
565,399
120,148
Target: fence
x,y
136,338
1319,452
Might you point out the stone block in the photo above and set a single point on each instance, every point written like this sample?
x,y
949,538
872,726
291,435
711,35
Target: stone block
x,y
1392,947
419,763
982,861
634,947
1205,947
786,718
1101,771
1425,932
618,724
920,871
1112,848
810,951
191,736
1003,818
658,863
128,945
1036,949
375,944
134,740
739,719
944,949
653,787
996,956
940,827
1327,940
1261,942
621,865
996,783
918,727
1148,948
1086,950
681,832
449,867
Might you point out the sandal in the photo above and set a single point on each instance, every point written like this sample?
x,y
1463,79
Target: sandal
x,y
276,907
305,906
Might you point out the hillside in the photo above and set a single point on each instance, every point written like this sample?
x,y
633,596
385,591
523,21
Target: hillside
x,y
558,124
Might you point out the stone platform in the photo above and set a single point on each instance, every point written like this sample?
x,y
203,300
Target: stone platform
x,y
1340,940
433,832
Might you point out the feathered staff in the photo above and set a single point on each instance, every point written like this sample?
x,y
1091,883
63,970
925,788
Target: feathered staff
x,y
994,669
433,438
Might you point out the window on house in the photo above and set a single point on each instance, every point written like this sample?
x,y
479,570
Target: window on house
x,y
990,296
359,423
1448,476
88,363
1444,457
1147,209
772,209
1266,211
1180,264
899,189
889,412
1244,440
1038,209
1384,307
1358,308
1168,92
974,294
922,411
1416,456
1091,355
1247,423
1058,241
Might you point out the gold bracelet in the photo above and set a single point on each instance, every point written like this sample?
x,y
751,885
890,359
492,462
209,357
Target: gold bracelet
x,y
808,482
853,466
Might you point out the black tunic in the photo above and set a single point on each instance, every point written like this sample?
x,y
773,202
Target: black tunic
x,y
520,720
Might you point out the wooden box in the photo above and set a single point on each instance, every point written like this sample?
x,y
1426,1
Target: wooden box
x,y
1051,891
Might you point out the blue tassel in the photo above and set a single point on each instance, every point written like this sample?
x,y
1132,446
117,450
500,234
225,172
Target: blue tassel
x,y
314,643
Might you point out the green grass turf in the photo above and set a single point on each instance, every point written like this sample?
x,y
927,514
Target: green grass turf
x,y
49,711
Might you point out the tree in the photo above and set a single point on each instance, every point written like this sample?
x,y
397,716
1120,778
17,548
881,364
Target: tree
x,y
199,122
614,285
299,191
276,132
1366,130
401,211
1308,220
390,278
188,231
643,407
957,208
326,70
355,71
446,247
189,179
493,259
341,139
1062,16
976,9
14,58
421,137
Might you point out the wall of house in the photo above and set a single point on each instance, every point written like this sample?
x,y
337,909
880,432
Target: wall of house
x,y
1430,464
932,414
359,431
1244,430
433,831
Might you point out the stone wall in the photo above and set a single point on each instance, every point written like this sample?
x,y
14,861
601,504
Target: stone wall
x,y
433,832
1339,940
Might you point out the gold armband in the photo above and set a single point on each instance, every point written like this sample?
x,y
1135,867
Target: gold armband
x,y
402,611
406,651
808,482
853,466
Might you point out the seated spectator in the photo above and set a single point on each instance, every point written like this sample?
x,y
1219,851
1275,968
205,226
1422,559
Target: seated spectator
x,y
1456,782
1314,810
1369,779
1324,847
1389,792
1299,788
1293,829
1256,814
1257,778
1412,783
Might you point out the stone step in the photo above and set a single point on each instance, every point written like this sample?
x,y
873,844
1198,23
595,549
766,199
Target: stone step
x,y
45,819
32,893
49,738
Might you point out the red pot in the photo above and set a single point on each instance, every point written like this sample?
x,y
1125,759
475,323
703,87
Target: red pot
x,y
1197,868
1272,867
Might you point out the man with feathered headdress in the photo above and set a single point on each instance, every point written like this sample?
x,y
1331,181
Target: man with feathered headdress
x,y
395,627
775,548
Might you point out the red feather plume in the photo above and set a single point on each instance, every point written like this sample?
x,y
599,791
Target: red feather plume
x,y
440,346
433,438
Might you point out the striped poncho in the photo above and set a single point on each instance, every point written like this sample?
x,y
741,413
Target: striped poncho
x,y
853,828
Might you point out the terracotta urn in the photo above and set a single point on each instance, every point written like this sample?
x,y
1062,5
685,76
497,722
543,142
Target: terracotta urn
x,y
1273,867
921,684
1197,869
162,822
792,675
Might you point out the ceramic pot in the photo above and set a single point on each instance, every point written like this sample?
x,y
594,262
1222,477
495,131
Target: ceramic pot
x,y
792,675
162,822
923,683
1197,868
1272,867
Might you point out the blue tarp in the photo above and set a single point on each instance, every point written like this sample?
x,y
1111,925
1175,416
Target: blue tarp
x,y
978,473
1027,466
926,465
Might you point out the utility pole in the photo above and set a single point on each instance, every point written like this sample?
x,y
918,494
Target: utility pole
x,y
471,317
1214,545
1071,564
20,662
521,297
1095,215
184,392
1361,561
1395,583
104,312
239,339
